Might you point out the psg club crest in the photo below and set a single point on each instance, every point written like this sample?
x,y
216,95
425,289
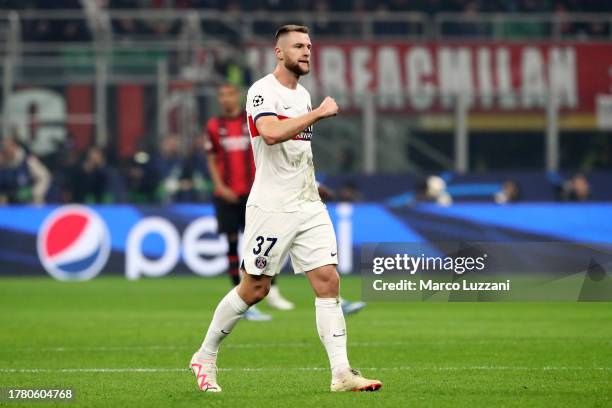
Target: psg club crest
x,y
261,262
257,100
73,243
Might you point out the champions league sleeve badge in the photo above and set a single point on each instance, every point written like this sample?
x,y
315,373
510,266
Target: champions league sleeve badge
x,y
258,100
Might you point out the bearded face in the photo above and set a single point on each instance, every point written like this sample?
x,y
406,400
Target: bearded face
x,y
297,67
294,51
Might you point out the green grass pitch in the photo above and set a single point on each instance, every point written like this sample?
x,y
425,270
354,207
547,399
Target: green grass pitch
x,y
119,343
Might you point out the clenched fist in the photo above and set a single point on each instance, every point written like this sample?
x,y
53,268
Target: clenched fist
x,y
328,107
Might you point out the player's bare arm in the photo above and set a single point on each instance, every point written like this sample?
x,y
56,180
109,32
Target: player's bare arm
x,y
276,131
226,193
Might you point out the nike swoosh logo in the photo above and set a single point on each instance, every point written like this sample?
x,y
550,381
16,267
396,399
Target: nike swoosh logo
x,y
339,335
333,253
286,107
224,332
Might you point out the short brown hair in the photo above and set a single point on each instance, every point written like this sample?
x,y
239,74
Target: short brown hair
x,y
289,28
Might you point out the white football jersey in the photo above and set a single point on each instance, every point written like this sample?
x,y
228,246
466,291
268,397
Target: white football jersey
x,y
284,176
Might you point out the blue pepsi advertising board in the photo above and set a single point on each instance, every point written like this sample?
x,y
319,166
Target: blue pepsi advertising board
x,y
76,242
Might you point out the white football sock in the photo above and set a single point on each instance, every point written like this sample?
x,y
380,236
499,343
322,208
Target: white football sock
x,y
332,331
228,312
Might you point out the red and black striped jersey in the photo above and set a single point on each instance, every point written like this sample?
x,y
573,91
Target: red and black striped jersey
x,y
228,139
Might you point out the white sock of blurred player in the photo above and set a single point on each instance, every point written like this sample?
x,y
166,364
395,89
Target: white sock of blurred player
x,y
227,314
276,300
332,331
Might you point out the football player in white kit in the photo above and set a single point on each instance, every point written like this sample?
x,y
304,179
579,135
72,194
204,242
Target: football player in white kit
x,y
285,215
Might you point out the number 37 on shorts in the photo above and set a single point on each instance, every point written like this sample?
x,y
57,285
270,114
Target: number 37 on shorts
x,y
260,240
269,237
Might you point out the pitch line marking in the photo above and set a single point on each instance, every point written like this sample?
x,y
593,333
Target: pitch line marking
x,y
232,346
187,346
273,369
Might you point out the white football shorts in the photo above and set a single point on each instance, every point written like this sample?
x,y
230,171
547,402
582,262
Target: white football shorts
x,y
307,236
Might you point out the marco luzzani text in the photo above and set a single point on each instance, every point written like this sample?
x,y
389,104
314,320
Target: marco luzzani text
x,y
422,264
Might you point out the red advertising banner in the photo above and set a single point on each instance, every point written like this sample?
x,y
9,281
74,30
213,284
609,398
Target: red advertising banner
x,y
427,77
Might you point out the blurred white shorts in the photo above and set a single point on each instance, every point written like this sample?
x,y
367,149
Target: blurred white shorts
x,y
307,236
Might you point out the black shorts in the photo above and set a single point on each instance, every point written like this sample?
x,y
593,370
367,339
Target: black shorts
x,y
230,216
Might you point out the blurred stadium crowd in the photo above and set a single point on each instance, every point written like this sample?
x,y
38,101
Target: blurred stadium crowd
x,y
43,30
172,172
171,175
427,6
65,176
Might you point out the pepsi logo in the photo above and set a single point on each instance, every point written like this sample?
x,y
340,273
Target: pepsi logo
x,y
73,243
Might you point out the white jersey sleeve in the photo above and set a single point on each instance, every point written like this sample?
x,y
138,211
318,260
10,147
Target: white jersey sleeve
x,y
261,101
